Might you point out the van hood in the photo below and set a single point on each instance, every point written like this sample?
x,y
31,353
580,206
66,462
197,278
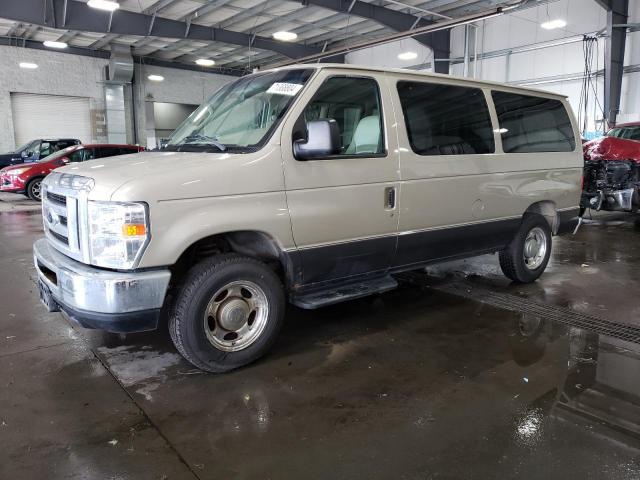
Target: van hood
x,y
154,176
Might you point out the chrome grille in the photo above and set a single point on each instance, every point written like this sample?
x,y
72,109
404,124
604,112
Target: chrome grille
x,y
60,238
55,198
60,218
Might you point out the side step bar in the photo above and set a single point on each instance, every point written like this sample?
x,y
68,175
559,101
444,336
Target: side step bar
x,y
343,292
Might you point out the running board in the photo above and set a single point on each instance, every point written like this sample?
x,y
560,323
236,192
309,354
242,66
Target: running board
x,y
343,292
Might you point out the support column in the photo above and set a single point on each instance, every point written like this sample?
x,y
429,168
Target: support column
x,y
440,43
617,14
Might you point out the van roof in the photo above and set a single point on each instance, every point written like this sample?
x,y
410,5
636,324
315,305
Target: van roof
x,y
404,71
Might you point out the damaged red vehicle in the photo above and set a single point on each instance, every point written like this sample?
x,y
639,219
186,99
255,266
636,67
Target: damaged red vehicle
x,y
612,170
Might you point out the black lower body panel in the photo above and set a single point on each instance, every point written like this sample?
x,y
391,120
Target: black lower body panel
x,y
445,243
129,322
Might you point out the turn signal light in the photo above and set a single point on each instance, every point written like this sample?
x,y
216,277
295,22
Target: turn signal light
x,y
134,230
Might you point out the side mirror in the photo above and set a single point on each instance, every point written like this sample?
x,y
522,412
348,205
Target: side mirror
x,y
323,139
65,159
25,154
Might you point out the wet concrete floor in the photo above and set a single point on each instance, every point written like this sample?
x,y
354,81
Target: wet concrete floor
x,y
412,384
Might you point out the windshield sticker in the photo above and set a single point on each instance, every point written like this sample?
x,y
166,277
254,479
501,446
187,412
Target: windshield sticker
x,y
281,88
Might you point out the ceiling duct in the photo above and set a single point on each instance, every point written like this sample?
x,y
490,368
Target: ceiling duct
x,y
120,64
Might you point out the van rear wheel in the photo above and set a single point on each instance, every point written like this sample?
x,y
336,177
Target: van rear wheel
x,y
228,313
527,256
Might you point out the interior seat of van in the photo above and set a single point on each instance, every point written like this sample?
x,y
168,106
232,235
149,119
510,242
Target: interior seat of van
x,y
366,138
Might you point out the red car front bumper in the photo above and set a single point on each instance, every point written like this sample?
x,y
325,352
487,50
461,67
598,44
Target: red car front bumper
x,y
11,183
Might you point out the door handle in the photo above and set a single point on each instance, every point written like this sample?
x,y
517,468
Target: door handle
x,y
390,198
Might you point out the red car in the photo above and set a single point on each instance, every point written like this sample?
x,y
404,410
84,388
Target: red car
x,y
26,178
612,170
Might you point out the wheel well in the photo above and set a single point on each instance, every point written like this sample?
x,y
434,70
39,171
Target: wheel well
x,y
254,244
30,181
547,209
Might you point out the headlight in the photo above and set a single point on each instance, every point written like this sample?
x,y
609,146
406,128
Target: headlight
x,y
118,233
18,171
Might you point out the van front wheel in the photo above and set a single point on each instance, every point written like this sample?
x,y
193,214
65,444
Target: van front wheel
x,y
228,313
526,257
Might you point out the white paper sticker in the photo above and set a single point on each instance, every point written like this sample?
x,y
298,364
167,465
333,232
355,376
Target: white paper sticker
x,y
281,88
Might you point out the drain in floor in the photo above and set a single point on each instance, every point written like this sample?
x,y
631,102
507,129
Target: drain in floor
x,y
563,315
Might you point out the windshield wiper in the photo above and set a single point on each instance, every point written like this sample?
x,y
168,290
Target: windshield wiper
x,y
198,138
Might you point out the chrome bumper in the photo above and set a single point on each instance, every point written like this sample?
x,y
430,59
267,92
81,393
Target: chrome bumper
x,y
79,287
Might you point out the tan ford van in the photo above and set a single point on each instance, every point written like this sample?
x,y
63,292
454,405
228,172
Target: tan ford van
x,y
308,184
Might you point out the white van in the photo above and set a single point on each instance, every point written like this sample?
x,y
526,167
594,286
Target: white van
x,y
311,184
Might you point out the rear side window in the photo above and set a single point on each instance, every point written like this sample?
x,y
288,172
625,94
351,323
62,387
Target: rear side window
x,y
533,124
108,152
446,119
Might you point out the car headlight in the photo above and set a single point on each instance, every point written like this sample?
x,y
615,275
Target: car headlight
x,y
18,171
118,233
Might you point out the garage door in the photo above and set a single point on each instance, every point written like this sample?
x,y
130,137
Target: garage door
x,y
53,116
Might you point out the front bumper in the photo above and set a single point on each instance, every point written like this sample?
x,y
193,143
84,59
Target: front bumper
x,y
10,183
624,200
97,298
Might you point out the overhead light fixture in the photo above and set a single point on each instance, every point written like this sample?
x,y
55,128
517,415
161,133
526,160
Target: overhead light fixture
x,y
285,36
553,24
107,5
28,65
52,44
156,78
205,62
407,56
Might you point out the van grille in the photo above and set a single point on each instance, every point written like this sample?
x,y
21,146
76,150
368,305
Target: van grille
x,y
55,198
60,219
60,238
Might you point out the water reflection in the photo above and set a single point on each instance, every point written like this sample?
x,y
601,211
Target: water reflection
x,y
600,386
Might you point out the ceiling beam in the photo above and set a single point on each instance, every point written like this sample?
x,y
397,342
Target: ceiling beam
x,y
396,20
81,17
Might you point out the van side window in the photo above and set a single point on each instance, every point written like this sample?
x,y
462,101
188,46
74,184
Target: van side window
x,y
533,124
446,119
354,103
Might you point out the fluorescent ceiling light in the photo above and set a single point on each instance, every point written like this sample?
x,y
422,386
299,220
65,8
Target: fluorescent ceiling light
x,y
408,56
285,36
28,65
205,62
52,44
156,78
553,24
103,5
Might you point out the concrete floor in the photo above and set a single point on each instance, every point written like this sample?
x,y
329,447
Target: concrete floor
x,y
412,384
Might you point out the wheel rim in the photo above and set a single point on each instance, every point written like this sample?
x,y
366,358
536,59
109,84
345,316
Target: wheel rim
x,y
236,316
35,189
535,248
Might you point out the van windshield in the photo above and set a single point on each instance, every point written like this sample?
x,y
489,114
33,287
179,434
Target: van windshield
x,y
241,115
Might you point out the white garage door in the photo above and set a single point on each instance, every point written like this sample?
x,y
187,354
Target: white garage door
x,y
52,116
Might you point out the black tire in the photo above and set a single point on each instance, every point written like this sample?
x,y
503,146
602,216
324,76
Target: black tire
x,y
187,325
512,258
34,187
